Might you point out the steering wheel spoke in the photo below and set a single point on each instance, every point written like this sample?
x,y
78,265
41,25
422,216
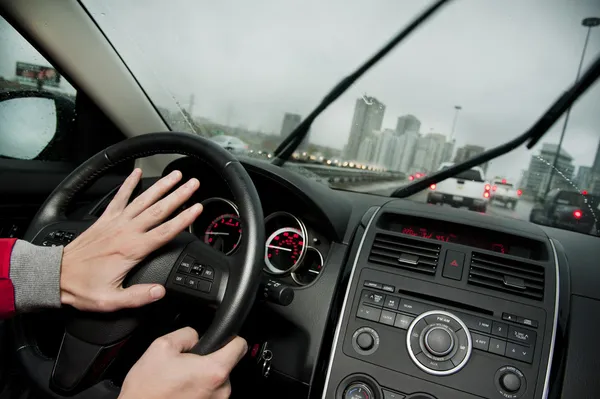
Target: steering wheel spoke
x,y
81,364
202,272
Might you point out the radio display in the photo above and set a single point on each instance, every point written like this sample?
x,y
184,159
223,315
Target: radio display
x,y
462,234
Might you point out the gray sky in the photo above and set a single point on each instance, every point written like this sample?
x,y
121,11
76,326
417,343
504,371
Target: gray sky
x,y
248,62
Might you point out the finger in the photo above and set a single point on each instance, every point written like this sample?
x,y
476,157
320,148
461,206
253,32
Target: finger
x,y
135,296
164,233
229,355
119,201
153,194
163,208
182,340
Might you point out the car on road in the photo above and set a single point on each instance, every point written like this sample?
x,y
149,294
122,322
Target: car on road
x,y
467,188
505,192
232,144
569,210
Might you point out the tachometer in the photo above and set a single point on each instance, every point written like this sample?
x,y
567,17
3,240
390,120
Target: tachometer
x,y
285,248
311,267
224,233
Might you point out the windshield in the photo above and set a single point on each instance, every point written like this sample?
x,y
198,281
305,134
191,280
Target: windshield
x,y
474,76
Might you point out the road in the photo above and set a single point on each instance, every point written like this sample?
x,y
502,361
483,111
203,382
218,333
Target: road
x,y
521,211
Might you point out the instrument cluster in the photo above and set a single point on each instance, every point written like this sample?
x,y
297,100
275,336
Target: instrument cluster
x,y
291,250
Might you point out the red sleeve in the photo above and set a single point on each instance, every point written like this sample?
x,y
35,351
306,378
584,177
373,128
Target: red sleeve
x,y
7,291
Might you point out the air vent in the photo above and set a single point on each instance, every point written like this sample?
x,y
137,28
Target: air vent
x,y
507,275
405,253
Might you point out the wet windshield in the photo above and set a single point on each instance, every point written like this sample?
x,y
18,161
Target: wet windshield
x,y
474,76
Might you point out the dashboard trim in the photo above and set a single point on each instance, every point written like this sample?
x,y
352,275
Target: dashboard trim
x,y
345,303
546,390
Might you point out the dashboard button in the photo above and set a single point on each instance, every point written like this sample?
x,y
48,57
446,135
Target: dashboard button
x,y
510,382
387,317
432,364
440,318
186,264
392,395
522,335
509,317
527,322
414,307
373,298
480,342
403,321
438,341
368,313
365,341
388,288
461,348
497,346
453,265
358,390
519,352
499,329
372,284
476,323
391,302
208,272
196,270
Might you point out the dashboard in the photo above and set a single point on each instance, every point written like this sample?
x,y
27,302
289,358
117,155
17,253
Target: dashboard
x,y
400,300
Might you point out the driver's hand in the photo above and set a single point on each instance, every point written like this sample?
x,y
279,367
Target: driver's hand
x,y
165,371
95,263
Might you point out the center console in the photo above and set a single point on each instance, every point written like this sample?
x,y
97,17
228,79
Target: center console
x,y
445,309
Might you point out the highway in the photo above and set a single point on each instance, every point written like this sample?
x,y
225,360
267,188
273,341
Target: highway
x,y
521,211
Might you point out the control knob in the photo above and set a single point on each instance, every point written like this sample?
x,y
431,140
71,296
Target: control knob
x,y
510,382
358,390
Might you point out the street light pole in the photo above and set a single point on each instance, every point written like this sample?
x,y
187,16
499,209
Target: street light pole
x,y
457,108
589,23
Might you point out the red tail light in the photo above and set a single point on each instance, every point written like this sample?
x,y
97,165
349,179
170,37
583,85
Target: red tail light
x,y
411,178
418,175
519,192
494,188
577,214
433,186
584,192
503,181
487,187
486,194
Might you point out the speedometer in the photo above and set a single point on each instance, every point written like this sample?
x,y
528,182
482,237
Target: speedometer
x,y
284,250
224,233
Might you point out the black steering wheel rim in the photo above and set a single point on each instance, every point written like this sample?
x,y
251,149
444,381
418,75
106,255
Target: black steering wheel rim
x,y
237,301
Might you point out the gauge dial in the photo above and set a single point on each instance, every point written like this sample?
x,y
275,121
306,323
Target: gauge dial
x,y
310,268
224,233
284,250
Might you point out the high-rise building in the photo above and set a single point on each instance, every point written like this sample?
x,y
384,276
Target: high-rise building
x,y
583,179
540,167
428,153
448,150
366,150
408,123
388,147
368,116
408,143
467,152
596,164
290,122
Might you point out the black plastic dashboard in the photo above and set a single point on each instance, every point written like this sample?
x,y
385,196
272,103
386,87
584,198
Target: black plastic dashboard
x,y
528,333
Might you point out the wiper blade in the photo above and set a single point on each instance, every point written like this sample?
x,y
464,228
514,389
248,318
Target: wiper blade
x,y
295,138
534,134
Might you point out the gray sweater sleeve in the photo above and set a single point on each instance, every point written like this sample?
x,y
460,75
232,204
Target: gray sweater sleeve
x,y
35,274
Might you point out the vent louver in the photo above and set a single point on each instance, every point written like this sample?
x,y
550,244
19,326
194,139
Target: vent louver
x,y
507,275
405,253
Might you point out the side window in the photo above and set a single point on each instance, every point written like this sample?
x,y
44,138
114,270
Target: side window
x,y
37,105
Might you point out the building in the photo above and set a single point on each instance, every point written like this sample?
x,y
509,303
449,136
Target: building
x,y
467,152
387,149
583,179
366,150
405,157
407,123
368,117
539,171
290,122
428,153
596,164
448,150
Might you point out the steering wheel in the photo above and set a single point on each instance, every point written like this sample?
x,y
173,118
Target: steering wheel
x,y
92,341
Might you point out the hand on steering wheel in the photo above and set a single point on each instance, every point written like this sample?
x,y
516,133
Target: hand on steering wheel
x,y
96,263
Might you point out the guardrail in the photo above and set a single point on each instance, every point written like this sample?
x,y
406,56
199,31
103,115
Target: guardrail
x,y
337,174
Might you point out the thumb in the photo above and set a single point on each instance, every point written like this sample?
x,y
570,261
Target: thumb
x,y
138,295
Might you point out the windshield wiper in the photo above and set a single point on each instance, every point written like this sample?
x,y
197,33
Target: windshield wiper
x,y
295,138
534,134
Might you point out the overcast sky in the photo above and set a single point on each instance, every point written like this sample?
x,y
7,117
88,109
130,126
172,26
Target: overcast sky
x,y
248,62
